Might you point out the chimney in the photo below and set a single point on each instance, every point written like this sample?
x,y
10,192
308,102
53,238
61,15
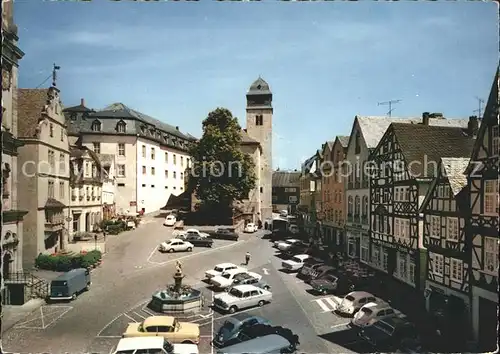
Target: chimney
x,y
473,126
177,128
436,115
82,102
425,118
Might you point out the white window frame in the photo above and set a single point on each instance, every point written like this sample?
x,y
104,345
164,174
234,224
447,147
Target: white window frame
x,y
446,191
365,246
435,221
456,270
491,255
437,264
144,151
120,173
452,224
490,202
440,191
402,260
121,152
397,227
96,146
376,256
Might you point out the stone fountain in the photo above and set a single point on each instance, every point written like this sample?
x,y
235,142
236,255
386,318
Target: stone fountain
x,y
177,298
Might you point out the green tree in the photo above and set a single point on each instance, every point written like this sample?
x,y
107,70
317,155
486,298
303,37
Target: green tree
x,y
221,173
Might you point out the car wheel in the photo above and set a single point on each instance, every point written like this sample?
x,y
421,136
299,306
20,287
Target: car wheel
x,y
171,250
73,297
87,288
267,288
187,342
261,303
323,292
189,249
233,309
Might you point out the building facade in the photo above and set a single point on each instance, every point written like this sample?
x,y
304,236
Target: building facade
x,y
86,183
44,172
12,215
306,188
404,165
483,229
445,213
150,156
286,191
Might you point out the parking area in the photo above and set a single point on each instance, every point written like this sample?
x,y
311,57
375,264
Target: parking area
x,y
42,318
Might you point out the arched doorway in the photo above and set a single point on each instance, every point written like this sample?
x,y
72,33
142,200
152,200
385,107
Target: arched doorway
x,y
7,260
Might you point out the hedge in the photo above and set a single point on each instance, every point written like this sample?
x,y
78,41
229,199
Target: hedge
x,y
113,227
64,263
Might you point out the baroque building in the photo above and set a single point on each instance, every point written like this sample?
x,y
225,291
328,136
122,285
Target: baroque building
x,y
151,157
12,214
44,172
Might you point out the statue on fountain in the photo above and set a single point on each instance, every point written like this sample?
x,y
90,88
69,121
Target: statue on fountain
x,y
178,276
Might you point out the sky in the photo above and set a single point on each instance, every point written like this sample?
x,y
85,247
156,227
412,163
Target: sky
x,y
325,61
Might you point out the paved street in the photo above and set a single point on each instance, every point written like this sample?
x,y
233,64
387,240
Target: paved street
x,y
133,269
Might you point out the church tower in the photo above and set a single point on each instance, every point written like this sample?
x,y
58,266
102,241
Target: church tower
x,y
259,127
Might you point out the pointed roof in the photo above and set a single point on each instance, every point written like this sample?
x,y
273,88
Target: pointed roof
x,y
343,140
30,104
259,87
453,169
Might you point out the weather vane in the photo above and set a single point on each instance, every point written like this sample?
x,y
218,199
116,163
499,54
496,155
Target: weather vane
x,y
54,74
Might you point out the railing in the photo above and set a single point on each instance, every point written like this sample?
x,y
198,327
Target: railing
x,y
37,287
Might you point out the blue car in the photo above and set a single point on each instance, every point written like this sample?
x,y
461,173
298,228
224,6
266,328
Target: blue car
x,y
230,332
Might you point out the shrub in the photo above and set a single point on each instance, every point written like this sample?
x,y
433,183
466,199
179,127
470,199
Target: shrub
x,y
63,263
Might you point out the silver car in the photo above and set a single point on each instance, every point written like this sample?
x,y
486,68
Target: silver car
x,y
241,297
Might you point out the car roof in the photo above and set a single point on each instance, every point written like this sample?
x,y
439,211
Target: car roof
x,y
225,265
360,294
395,321
175,239
139,343
170,216
71,274
192,230
292,240
245,275
159,321
246,287
302,256
235,271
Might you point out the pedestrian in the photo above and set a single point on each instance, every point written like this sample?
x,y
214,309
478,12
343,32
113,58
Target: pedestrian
x,y
247,258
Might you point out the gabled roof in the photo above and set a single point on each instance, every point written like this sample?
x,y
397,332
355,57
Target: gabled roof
x,y
424,145
372,128
343,140
30,104
285,179
306,166
80,108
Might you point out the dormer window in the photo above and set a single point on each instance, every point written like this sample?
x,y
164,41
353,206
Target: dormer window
x,y
121,127
96,126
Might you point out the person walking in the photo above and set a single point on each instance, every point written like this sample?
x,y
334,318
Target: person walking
x,y
247,258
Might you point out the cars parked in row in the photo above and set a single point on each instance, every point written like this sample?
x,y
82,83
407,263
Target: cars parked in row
x,y
219,269
250,228
246,278
286,244
153,344
391,334
241,297
226,279
165,326
311,264
373,312
353,302
175,245
295,263
232,328
199,241
224,234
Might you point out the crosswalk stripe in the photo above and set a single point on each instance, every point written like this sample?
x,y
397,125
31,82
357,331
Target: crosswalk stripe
x,y
322,305
331,302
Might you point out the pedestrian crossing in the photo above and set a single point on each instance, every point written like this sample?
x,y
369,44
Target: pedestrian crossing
x,y
328,304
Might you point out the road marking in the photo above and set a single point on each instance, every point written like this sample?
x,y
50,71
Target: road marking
x,y
151,255
135,313
145,309
107,325
340,325
332,303
266,271
299,281
133,319
206,336
322,305
242,311
55,319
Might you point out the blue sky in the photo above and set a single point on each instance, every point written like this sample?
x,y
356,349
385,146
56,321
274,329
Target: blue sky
x,y
325,61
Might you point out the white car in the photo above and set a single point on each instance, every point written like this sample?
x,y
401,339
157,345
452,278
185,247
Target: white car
x,y
242,296
226,279
295,263
153,345
285,245
191,232
175,245
170,220
283,213
219,269
372,312
250,228
353,302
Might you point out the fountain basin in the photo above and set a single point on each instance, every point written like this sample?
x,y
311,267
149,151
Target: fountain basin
x,y
171,301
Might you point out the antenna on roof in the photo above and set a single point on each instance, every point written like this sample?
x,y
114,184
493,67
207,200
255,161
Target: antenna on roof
x,y
389,103
480,109
54,74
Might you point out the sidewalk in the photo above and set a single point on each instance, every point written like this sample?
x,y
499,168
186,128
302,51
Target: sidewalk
x,y
14,314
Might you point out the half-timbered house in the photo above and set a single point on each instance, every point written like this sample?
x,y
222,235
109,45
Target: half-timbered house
x,y
404,164
445,212
483,230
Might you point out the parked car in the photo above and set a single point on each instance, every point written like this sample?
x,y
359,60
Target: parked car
x,y
194,232
294,229
295,263
219,269
241,297
250,228
285,245
224,234
319,272
373,312
228,333
153,344
176,245
226,279
353,301
167,327
199,241
170,220
283,213
68,285
245,278
330,284
296,248
389,333
310,264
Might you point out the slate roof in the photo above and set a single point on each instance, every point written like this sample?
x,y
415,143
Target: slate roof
x,y
373,128
306,166
344,140
30,103
454,168
285,179
246,139
427,144
78,151
79,108
52,203
259,87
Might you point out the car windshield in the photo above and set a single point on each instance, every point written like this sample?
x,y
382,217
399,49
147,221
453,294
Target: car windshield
x,y
296,260
384,327
59,283
235,292
349,298
222,231
366,311
226,275
219,269
290,242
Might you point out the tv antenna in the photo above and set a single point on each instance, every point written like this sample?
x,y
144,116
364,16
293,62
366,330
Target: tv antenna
x,y
480,102
389,103
54,74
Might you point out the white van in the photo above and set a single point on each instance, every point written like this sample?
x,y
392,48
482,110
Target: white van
x,y
153,345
